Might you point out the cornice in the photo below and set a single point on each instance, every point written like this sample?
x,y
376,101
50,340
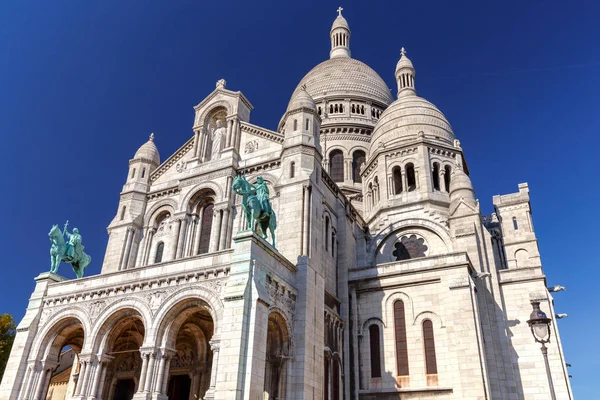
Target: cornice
x,y
261,132
169,162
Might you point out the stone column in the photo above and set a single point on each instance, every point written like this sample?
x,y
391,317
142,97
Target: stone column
x,y
144,371
86,377
215,231
141,251
196,143
189,237
103,378
215,346
163,389
150,372
236,134
442,180
128,246
124,249
80,377
306,221
404,181
204,146
181,237
196,246
224,228
176,238
151,233
161,371
229,133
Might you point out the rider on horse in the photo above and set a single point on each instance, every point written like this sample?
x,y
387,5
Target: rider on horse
x,y
74,246
262,193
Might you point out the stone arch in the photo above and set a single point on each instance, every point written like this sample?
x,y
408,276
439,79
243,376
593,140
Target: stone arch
x,y
164,204
168,328
112,315
200,293
436,319
277,350
522,258
409,310
44,347
398,227
214,108
186,204
370,321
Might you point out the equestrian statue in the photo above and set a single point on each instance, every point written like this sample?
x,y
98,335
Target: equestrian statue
x,y
256,205
70,251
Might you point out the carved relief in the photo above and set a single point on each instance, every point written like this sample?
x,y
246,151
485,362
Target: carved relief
x,y
95,307
251,146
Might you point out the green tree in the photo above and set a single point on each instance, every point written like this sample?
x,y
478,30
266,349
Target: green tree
x,y
8,330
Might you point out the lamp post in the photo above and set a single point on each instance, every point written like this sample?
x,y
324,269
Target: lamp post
x,y
540,329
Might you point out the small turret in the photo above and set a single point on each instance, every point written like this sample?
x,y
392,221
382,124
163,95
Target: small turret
x,y
461,188
144,162
301,122
340,37
405,75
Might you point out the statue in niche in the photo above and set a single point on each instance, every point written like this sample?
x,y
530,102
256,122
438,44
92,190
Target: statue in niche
x,y
217,139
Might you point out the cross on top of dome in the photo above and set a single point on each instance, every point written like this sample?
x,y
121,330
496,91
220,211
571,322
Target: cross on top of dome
x,y
339,10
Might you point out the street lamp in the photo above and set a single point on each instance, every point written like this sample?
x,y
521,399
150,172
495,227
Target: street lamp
x,y
540,328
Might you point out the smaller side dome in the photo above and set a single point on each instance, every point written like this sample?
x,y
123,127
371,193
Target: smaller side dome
x,y
461,187
148,151
302,100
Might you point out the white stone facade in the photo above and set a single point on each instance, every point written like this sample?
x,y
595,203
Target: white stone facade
x,y
386,281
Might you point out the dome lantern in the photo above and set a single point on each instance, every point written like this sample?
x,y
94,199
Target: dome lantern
x,y
340,37
405,75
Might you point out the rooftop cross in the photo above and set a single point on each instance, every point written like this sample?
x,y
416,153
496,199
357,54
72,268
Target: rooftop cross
x,y
152,137
402,52
339,10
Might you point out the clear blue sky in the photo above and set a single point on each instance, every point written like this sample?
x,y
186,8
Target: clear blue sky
x,y
83,83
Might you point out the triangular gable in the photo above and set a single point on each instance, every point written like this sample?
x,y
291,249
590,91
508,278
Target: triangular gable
x,y
165,170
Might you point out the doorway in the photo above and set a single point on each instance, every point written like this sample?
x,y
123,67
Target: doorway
x,y
124,389
179,387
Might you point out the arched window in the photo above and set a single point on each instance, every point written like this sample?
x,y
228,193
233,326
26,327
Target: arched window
x,y
362,110
207,218
133,173
159,252
447,177
515,224
292,169
341,108
358,159
411,181
400,333
436,176
331,109
326,233
143,172
376,187
295,124
353,108
123,213
336,165
375,351
307,124
429,342
320,110
397,177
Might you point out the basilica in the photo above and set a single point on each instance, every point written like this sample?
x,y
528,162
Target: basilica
x,y
381,279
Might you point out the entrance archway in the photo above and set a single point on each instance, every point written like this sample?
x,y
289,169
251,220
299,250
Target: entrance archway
x,y
120,339
56,352
186,333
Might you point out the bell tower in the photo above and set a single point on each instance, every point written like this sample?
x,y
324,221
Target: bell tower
x,y
125,229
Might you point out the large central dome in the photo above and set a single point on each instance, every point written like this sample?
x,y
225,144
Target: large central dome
x,y
344,76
